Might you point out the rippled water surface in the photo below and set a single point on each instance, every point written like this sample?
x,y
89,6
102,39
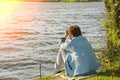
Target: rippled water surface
x,y
30,32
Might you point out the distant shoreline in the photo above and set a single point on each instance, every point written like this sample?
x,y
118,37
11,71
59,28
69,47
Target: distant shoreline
x,y
52,1
56,1
60,1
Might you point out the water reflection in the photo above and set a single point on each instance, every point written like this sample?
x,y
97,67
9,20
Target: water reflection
x,y
30,32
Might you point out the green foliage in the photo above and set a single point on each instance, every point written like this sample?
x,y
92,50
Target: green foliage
x,y
83,0
111,23
110,68
74,0
68,0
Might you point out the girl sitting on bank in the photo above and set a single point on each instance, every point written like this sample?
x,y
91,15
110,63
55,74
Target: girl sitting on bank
x,y
76,54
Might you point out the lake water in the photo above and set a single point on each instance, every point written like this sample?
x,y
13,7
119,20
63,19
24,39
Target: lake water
x,y
30,32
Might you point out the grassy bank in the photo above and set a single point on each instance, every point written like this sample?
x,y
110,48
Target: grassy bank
x,y
109,70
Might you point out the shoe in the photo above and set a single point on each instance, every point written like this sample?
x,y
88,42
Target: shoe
x,y
58,72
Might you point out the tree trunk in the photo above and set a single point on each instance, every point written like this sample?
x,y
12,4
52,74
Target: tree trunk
x,y
113,26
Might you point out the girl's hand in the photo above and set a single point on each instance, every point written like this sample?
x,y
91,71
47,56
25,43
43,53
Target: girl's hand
x,y
66,33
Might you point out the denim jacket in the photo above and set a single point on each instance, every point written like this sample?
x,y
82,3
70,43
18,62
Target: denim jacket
x,y
80,56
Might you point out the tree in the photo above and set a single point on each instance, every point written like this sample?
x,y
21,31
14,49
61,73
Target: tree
x,y
112,24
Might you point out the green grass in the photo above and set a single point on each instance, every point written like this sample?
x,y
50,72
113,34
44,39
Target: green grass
x,y
110,74
43,77
110,65
109,70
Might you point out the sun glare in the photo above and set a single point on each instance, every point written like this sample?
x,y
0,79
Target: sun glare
x,y
6,8
9,0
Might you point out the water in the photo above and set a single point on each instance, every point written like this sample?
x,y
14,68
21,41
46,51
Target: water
x,y
30,32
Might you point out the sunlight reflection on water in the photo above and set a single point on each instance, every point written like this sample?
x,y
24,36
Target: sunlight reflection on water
x,y
31,32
